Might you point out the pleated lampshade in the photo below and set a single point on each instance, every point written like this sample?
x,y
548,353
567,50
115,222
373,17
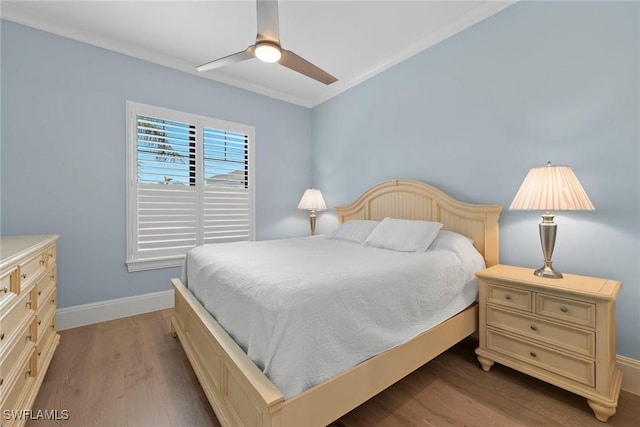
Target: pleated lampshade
x,y
312,200
551,188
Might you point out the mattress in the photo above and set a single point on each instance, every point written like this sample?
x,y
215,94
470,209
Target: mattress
x,y
307,309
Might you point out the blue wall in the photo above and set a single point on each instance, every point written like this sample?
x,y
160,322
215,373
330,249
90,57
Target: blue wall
x,y
63,154
539,81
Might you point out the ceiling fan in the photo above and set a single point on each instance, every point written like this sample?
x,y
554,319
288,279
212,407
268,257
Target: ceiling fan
x,y
267,48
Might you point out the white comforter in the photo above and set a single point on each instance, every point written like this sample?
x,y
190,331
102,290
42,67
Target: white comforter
x,y
306,309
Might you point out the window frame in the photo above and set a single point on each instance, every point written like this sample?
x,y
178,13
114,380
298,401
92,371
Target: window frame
x,y
134,109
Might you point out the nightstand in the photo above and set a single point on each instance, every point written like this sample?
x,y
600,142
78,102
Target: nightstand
x,y
562,331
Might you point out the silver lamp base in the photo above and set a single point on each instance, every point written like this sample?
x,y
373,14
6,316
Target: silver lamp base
x,y
312,221
548,271
547,230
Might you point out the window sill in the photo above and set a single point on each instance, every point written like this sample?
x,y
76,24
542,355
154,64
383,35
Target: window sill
x,y
154,264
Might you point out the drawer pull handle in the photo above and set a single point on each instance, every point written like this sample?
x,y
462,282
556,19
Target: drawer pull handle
x,y
507,297
53,326
28,304
24,275
39,293
27,338
534,328
39,353
564,309
5,289
53,301
50,255
1,380
1,335
28,372
42,262
39,322
533,354
52,277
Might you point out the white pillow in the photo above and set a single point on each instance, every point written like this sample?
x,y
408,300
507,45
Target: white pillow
x,y
450,240
463,247
403,235
356,230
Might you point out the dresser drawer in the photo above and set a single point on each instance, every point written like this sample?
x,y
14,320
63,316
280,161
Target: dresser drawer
x,y
509,297
563,365
45,285
8,283
5,332
45,342
565,309
22,343
14,396
17,312
50,255
31,269
573,339
45,314
46,299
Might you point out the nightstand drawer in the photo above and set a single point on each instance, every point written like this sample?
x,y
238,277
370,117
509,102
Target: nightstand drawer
x,y
560,364
577,340
509,297
568,310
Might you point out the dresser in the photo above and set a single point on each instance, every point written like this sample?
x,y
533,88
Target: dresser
x,y
28,336
562,331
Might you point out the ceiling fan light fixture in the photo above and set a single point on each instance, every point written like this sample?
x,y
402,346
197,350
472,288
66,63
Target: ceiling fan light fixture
x,y
267,47
268,52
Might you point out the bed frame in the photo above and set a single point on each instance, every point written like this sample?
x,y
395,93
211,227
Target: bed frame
x,y
241,395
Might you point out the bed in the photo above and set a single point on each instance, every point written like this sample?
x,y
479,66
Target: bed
x,y
241,394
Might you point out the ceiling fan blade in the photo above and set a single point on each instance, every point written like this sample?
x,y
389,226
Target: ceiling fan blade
x,y
301,65
248,53
267,12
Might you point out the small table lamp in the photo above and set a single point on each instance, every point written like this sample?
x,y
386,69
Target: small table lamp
x,y
550,188
312,201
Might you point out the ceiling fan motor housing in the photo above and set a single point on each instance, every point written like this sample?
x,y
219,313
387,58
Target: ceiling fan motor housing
x,y
268,51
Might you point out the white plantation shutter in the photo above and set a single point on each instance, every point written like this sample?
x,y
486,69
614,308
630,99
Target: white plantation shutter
x,y
227,198
167,204
189,183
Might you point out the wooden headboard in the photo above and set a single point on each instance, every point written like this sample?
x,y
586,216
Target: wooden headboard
x,y
408,199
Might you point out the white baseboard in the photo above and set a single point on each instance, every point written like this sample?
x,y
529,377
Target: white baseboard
x,y
87,314
630,374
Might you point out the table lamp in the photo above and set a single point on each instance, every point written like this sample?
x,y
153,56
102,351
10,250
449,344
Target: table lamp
x,y
312,201
550,188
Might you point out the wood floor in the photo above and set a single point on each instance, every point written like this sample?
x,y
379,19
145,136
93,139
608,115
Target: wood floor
x,y
131,372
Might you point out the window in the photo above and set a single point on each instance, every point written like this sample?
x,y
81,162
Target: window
x,y
189,182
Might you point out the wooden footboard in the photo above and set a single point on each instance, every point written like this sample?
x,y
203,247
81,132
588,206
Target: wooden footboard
x,y
241,395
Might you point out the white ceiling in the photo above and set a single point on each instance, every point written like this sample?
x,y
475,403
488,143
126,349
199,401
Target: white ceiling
x,y
352,40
